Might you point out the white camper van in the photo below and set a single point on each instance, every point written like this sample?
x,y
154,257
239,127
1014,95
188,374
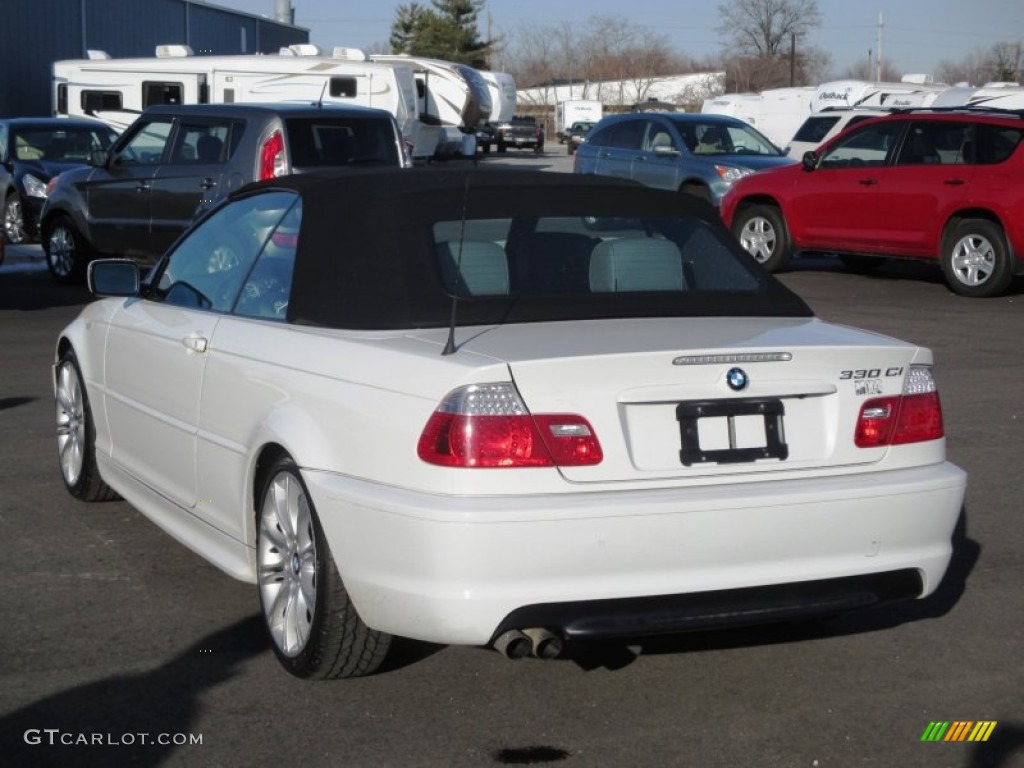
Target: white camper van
x,y
575,111
117,90
453,96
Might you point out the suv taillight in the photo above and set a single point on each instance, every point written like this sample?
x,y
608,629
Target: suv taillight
x,y
487,425
912,417
272,160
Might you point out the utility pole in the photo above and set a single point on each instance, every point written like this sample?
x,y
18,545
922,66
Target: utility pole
x,y
878,47
792,60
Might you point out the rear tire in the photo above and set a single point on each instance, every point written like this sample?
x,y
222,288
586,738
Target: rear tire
x,y
67,252
313,626
76,435
762,233
975,259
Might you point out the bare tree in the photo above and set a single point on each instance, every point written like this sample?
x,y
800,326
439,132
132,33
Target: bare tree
x,y
1002,62
605,48
765,28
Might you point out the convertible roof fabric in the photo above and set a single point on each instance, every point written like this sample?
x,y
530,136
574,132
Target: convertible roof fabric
x,y
367,260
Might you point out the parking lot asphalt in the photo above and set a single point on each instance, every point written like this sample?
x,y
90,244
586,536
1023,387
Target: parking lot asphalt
x,y
115,637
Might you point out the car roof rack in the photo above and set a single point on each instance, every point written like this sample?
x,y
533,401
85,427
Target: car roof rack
x,y
976,108
857,108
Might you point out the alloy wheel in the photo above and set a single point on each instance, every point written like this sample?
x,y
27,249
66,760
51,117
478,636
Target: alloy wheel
x,y
70,423
286,560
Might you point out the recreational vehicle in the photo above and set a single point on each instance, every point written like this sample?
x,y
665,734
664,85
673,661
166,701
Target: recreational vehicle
x,y
993,95
777,112
865,93
452,96
502,87
117,90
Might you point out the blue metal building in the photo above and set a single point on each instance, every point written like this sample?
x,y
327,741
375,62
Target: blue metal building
x,y
35,33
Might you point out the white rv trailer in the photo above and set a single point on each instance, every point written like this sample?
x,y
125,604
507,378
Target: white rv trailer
x,y
502,87
865,93
777,112
993,95
452,96
117,90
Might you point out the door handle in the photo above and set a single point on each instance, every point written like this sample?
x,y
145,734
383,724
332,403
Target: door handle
x,y
868,182
195,343
954,182
143,186
207,183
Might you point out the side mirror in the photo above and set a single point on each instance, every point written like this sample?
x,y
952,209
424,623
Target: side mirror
x,y
113,277
810,161
97,157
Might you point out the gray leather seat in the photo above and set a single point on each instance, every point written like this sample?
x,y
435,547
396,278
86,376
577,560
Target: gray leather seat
x,y
474,267
636,264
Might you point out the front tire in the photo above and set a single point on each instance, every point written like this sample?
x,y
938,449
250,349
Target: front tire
x,y
762,233
313,626
975,259
76,435
67,253
14,220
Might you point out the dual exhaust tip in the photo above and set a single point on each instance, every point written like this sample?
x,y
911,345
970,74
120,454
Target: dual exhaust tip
x,y
536,641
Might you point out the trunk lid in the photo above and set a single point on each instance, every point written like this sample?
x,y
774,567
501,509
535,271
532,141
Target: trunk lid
x,y
657,391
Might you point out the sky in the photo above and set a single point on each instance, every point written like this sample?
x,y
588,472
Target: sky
x,y
916,34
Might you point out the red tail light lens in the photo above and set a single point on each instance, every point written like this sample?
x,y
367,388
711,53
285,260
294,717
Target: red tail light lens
x,y
272,163
913,417
487,425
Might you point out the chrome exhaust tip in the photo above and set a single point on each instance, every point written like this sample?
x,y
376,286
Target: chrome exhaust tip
x,y
513,644
544,644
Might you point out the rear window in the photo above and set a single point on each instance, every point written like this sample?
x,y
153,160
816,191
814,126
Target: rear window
x,y
587,255
815,129
320,142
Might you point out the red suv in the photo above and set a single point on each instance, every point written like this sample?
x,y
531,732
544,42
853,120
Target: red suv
x,y
920,184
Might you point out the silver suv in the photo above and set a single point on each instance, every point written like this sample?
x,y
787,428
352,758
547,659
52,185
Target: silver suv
x,y
698,154
175,161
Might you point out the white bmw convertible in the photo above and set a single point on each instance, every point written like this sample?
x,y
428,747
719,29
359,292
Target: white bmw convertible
x,y
496,408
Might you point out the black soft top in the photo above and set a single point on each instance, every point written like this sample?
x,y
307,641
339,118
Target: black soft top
x,y
366,255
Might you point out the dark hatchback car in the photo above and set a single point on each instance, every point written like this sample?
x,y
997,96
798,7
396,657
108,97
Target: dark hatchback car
x,y
32,151
176,161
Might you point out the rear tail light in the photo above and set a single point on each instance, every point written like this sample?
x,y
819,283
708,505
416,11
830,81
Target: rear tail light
x,y
487,425
912,417
272,159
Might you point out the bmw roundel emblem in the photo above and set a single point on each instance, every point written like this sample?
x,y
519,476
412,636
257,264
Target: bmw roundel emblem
x,y
737,379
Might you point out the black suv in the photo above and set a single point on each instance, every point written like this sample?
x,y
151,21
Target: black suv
x,y
175,161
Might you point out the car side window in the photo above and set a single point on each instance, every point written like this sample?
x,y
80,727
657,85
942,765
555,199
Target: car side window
x,y
933,143
658,135
993,143
211,264
268,286
628,134
147,144
867,146
201,142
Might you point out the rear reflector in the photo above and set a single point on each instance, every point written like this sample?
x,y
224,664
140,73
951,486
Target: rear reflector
x,y
487,425
912,417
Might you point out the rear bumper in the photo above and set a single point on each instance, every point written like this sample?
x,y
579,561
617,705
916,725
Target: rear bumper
x,y
452,569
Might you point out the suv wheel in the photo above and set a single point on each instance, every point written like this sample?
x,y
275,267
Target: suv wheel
x,y
762,232
975,259
67,253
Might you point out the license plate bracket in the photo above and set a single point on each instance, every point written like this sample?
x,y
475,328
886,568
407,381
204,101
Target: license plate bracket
x,y
689,414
